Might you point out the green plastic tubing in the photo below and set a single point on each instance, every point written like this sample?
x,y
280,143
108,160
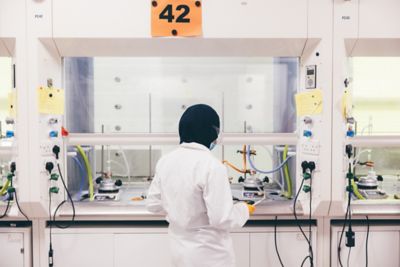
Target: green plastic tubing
x,y
287,174
89,172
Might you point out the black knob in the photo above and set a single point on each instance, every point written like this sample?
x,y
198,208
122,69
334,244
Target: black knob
x,y
349,151
241,179
13,167
266,179
379,178
304,166
49,166
56,151
311,166
118,182
98,180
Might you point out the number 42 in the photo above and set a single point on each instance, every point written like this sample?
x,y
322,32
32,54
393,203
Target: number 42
x,y
167,14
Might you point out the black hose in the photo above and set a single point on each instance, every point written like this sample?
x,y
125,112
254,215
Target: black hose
x,y
19,208
63,226
366,243
6,210
276,242
299,225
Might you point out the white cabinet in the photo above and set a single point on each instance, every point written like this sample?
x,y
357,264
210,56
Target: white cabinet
x,y
12,249
383,247
15,247
81,250
124,247
150,250
291,244
241,245
141,246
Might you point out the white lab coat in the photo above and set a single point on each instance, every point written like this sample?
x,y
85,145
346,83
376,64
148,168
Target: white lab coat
x,y
191,188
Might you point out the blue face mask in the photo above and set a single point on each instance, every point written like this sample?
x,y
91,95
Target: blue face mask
x,y
212,145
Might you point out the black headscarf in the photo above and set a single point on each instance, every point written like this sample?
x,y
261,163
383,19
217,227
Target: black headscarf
x,y
199,124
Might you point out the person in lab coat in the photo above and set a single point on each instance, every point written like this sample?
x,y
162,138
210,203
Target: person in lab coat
x,y
191,188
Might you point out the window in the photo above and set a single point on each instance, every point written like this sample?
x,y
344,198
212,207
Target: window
x,y
149,95
376,95
142,95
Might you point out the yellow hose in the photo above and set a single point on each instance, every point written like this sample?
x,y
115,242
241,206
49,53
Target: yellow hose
x,y
355,191
244,170
5,187
89,172
287,174
233,166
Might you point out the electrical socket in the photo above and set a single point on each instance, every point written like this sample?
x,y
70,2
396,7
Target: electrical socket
x,y
311,147
44,161
46,149
312,158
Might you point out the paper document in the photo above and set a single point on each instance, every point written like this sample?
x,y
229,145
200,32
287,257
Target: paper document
x,y
346,104
309,102
50,100
12,102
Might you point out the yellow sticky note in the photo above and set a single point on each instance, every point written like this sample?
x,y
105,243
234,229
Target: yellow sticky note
x,y
309,102
12,104
50,100
346,104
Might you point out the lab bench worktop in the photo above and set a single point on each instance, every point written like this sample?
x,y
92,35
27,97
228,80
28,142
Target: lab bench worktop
x,y
131,204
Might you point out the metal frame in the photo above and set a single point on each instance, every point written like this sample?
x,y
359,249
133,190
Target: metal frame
x,y
173,139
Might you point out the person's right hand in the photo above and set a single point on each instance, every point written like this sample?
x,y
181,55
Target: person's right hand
x,y
251,208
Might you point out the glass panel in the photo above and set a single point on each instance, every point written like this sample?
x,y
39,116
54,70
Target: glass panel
x,y
5,89
4,171
149,94
134,166
265,160
376,95
378,172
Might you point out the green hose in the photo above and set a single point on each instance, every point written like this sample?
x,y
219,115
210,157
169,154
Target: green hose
x,y
355,190
4,188
88,171
286,172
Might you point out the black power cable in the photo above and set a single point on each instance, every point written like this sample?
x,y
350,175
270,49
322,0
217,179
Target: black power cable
x,y
61,226
305,259
348,257
299,225
366,243
310,166
276,242
6,210
309,225
347,220
12,193
341,236
349,234
295,211
52,219
51,252
19,208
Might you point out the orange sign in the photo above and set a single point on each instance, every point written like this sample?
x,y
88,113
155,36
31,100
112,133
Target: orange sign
x,y
176,18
